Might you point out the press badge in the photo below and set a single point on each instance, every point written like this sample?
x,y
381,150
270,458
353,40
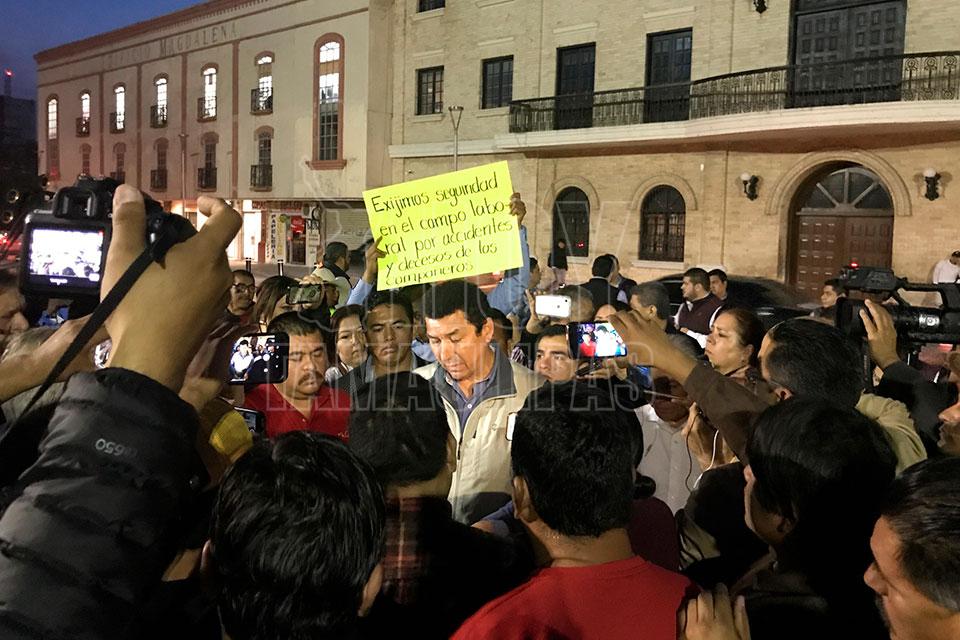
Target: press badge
x,y
511,423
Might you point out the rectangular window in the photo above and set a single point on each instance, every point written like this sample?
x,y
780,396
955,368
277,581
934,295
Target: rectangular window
x,y
497,82
52,120
162,158
430,91
210,155
209,107
85,161
85,106
264,150
329,114
120,159
430,5
162,95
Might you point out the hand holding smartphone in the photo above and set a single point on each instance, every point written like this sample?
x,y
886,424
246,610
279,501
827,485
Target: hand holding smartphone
x,y
595,340
259,358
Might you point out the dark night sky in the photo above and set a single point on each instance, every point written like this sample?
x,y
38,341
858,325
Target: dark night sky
x,y
28,26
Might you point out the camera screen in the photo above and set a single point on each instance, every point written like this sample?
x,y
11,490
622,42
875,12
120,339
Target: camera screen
x,y
66,257
598,340
259,358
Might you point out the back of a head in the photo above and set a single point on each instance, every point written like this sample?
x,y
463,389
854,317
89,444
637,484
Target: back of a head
x,y
602,266
698,276
576,455
297,530
398,427
923,509
445,299
815,360
825,468
334,251
653,294
390,297
582,306
269,294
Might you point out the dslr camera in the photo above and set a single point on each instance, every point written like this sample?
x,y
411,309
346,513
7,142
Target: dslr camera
x,y
914,325
64,249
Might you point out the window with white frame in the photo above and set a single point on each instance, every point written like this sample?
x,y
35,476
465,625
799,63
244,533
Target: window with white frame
x,y
120,107
209,107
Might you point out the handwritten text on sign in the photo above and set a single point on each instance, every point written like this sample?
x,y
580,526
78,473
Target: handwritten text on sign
x,y
449,226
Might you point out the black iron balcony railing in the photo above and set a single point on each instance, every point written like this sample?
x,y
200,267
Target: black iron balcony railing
x,y
158,179
119,176
261,101
903,78
117,122
158,116
261,176
83,126
207,178
206,108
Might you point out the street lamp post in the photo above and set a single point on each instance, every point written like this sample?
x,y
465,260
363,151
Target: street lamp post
x,y
183,173
455,114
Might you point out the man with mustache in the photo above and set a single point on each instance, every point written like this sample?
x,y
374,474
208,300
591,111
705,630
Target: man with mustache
x,y
302,402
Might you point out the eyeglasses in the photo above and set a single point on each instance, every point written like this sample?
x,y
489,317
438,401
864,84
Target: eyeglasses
x,y
244,287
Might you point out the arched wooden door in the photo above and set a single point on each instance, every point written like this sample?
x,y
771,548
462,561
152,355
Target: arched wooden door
x,y
842,217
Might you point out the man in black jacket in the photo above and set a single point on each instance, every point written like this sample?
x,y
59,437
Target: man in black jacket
x,y
96,520
599,285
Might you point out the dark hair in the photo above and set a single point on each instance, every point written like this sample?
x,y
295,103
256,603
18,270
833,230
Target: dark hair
x,y
577,463
824,467
655,294
8,279
390,296
579,295
344,312
923,509
815,360
447,298
720,273
296,323
602,266
245,342
501,320
297,529
399,428
616,304
750,330
269,294
334,251
698,276
244,272
836,285
533,263
551,332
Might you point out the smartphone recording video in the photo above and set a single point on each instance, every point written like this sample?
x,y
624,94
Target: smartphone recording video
x,y
304,294
256,421
64,260
595,340
259,358
552,306
101,353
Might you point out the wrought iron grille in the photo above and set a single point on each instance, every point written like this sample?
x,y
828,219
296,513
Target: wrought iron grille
x,y
261,176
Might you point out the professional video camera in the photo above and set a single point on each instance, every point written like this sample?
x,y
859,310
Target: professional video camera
x,y
915,325
65,249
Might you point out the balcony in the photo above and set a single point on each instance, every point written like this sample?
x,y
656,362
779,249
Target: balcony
x,y
158,179
83,127
158,116
119,176
886,79
117,122
261,101
206,109
261,176
207,178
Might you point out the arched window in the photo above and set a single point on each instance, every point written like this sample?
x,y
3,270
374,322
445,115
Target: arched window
x,y
53,137
118,117
85,151
208,103
158,112
328,102
262,100
662,221
571,221
83,122
119,154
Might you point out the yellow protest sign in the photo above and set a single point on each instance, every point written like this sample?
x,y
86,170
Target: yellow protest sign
x,y
444,227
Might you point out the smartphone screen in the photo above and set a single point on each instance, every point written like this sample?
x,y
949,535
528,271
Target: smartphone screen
x,y
259,358
304,294
101,353
256,421
596,340
552,306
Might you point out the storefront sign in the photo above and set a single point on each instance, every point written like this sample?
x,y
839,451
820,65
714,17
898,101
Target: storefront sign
x,y
449,226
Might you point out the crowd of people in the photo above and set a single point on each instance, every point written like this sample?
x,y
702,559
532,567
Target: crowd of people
x,y
444,461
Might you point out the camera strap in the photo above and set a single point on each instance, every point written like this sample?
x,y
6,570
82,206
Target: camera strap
x,y
96,320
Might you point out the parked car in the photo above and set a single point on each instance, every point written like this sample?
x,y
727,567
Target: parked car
x,y
771,300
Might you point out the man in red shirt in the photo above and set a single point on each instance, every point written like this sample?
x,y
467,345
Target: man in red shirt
x,y
302,402
572,487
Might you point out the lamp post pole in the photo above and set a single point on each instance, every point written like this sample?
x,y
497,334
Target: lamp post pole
x,y
183,173
456,113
